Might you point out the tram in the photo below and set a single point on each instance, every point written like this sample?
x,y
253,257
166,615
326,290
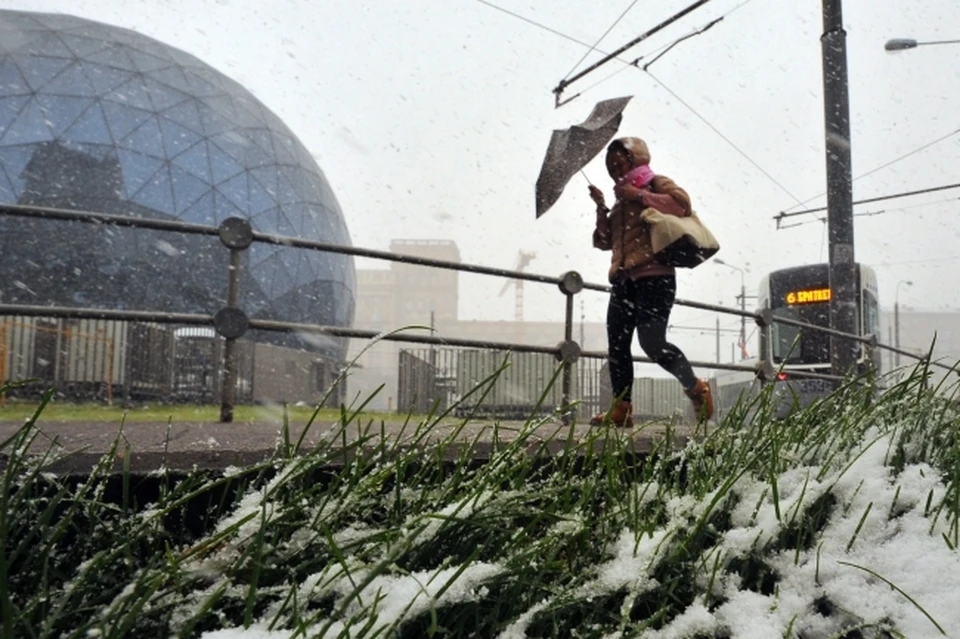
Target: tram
x,y
801,293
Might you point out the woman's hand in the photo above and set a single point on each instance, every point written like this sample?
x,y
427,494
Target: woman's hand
x,y
597,196
629,192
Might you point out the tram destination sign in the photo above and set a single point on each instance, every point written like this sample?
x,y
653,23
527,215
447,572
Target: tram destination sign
x,y
808,296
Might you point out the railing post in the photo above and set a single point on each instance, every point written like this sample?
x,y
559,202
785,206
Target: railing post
x,y
568,350
231,322
767,371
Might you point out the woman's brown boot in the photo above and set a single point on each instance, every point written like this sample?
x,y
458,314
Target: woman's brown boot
x,y
702,398
620,414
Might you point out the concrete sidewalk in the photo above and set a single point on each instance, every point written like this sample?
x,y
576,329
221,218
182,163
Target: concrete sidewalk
x,y
184,446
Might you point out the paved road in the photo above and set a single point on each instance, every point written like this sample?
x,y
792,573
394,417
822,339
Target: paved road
x,y
216,446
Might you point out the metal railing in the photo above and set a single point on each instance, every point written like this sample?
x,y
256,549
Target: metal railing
x,y
231,322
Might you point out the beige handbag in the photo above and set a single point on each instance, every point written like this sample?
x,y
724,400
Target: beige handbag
x,y
679,241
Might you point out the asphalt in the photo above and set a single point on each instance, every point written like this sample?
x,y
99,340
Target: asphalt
x,y
146,447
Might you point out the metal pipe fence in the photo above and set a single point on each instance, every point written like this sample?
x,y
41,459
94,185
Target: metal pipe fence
x,y
231,322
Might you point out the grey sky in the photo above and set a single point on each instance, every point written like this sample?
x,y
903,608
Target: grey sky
x,y
431,117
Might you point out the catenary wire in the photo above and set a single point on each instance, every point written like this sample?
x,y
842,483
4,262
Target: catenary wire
x,y
677,97
662,50
879,168
880,198
540,25
600,39
722,136
899,209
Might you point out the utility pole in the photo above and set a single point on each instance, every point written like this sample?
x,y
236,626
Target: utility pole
x,y
836,110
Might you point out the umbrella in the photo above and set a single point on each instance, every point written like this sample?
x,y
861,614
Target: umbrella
x,y
571,149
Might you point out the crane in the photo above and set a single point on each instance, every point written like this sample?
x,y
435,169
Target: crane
x,y
523,258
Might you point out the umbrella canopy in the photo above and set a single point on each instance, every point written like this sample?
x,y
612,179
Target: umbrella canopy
x,y
571,149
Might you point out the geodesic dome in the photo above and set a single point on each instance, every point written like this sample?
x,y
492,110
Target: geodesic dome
x,y
95,117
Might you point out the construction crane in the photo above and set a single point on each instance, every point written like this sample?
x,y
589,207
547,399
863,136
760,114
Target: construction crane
x,y
523,258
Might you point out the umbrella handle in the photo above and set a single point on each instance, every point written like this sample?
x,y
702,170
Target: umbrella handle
x,y
585,177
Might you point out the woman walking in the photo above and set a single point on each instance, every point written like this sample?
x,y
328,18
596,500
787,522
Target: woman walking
x,y
643,290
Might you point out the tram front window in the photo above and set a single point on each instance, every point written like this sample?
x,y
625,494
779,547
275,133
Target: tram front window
x,y
813,347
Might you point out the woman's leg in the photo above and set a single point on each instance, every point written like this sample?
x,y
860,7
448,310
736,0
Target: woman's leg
x,y
621,320
654,297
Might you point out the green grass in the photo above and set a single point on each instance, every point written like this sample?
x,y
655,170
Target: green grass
x,y
590,542
18,411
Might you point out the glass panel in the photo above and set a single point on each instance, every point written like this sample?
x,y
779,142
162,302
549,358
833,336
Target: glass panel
x,y
10,109
131,93
195,161
105,79
38,70
91,127
162,96
173,78
14,161
187,189
72,81
61,111
49,43
11,79
146,139
176,139
224,208
123,119
114,57
235,190
259,200
137,170
201,212
813,346
186,115
157,193
30,126
223,166
82,45
144,61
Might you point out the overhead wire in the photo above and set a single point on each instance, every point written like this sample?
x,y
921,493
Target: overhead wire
x,y
635,64
893,196
899,209
872,171
558,90
540,25
600,39
722,136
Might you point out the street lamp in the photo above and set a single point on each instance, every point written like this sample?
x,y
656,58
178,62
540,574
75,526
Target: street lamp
x,y
743,301
899,44
896,316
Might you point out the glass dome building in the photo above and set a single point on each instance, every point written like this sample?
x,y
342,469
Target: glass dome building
x,y
98,118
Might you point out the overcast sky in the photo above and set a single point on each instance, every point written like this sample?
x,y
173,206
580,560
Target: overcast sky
x,y
430,118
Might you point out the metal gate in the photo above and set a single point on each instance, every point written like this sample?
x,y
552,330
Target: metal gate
x,y
198,367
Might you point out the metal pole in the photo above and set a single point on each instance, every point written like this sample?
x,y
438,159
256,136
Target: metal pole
x,y
743,318
229,387
836,108
896,328
718,340
567,364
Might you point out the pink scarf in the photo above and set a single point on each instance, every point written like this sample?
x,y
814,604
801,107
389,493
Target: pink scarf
x,y
639,177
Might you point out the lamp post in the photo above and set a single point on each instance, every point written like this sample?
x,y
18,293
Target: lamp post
x,y
896,316
743,301
900,44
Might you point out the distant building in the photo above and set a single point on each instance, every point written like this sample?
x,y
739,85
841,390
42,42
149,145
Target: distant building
x,y
919,331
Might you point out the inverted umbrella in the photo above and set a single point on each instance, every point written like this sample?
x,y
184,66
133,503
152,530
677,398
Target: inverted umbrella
x,y
571,149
